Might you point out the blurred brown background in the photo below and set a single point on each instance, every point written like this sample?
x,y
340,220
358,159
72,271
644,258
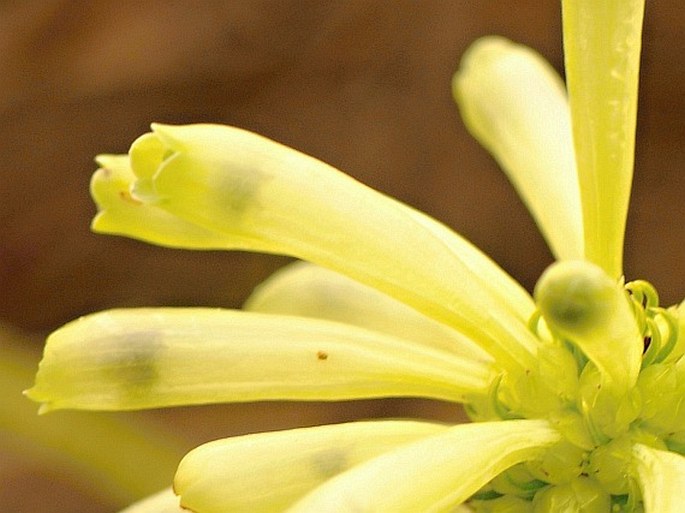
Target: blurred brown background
x,y
361,84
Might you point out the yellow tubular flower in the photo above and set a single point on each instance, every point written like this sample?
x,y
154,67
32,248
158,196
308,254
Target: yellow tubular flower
x,y
515,104
389,302
262,196
285,465
602,43
153,357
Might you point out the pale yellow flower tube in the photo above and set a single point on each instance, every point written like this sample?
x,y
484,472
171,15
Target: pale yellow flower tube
x,y
515,104
267,472
433,474
154,357
602,42
219,187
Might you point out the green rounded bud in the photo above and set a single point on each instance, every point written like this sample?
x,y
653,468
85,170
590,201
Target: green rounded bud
x,y
581,495
560,464
584,305
575,297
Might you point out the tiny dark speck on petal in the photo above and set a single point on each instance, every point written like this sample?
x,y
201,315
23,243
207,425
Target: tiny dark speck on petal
x,y
322,355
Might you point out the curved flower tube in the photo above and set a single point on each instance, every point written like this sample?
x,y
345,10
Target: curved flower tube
x,y
408,482
278,200
157,357
286,465
391,302
515,104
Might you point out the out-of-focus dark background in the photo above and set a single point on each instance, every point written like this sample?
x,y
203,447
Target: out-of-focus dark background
x,y
361,84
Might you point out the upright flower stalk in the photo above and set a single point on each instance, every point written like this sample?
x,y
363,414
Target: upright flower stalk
x,y
389,302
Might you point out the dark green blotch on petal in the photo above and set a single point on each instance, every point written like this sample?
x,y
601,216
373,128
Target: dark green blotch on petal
x,y
133,365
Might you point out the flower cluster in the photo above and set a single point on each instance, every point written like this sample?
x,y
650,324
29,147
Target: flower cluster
x,y
386,301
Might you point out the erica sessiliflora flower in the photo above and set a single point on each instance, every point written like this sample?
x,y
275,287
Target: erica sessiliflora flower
x,y
562,386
